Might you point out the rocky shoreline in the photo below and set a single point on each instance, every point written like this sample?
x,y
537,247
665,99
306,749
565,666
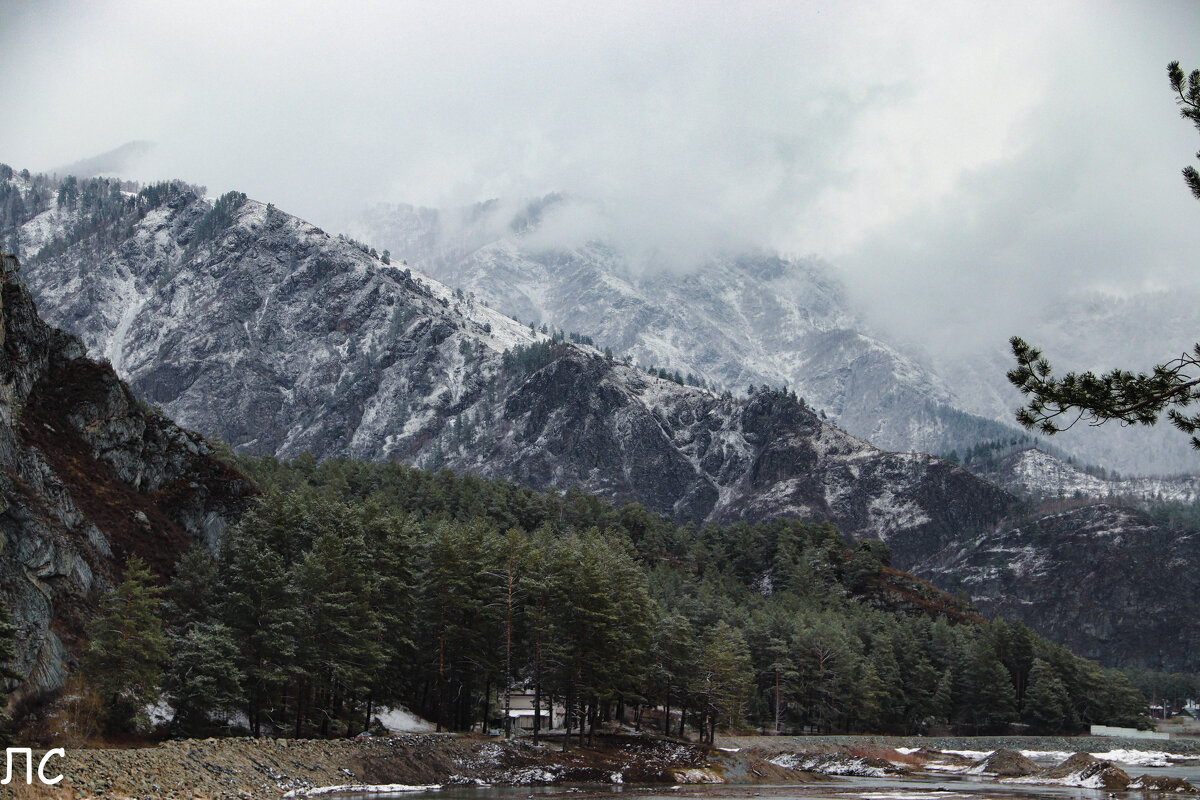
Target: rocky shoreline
x,y
190,769
268,769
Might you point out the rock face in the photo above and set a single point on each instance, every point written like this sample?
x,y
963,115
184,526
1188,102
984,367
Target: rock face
x,y
1004,763
88,476
1106,581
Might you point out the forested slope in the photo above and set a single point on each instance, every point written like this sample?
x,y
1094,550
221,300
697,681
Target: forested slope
x,y
607,608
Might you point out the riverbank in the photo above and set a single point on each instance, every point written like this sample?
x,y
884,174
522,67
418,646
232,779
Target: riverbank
x,y
267,769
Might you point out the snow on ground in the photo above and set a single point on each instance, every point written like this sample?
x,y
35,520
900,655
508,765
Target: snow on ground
x,y
828,764
505,332
41,230
401,720
131,301
161,712
1138,758
1126,758
974,755
1094,781
697,775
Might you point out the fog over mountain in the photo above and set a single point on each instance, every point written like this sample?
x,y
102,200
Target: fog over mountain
x,y
961,168
748,318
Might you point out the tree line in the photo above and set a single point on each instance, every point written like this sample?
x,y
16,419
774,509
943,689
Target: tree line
x,y
354,586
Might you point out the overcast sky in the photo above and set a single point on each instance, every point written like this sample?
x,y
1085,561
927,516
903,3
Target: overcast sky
x,y
954,161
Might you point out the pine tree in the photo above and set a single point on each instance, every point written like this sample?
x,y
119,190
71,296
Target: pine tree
x,y
204,677
258,604
340,648
674,659
127,647
987,700
601,612
1046,700
390,594
188,599
725,679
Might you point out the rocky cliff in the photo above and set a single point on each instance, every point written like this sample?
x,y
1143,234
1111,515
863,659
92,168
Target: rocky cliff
x,y
1107,581
88,476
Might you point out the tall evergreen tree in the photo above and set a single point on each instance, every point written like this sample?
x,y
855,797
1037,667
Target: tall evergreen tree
x,y
205,675
127,647
259,606
1046,700
725,678
340,648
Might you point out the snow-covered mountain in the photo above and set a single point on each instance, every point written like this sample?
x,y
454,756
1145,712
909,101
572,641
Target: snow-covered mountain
x,y
236,317
734,321
755,318
1034,473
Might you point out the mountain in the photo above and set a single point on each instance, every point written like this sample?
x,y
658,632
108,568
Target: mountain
x,y
753,318
1091,330
237,318
88,476
118,161
1034,473
734,321
1109,582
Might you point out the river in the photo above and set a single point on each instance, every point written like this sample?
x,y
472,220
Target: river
x,y
923,787
929,784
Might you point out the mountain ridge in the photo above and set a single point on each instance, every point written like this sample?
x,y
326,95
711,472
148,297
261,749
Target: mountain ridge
x,y
734,320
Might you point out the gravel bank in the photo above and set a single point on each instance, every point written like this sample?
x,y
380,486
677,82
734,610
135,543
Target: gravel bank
x,y
268,768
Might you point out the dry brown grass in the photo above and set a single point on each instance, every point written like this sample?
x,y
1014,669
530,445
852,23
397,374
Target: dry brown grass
x,y
74,719
887,754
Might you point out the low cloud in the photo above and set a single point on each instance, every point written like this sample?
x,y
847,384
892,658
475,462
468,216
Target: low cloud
x,y
958,163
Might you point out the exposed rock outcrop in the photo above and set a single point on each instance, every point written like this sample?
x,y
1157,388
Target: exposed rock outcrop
x,y
1109,582
88,475
1005,764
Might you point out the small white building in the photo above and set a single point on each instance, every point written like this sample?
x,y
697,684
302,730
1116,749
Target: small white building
x,y
521,711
